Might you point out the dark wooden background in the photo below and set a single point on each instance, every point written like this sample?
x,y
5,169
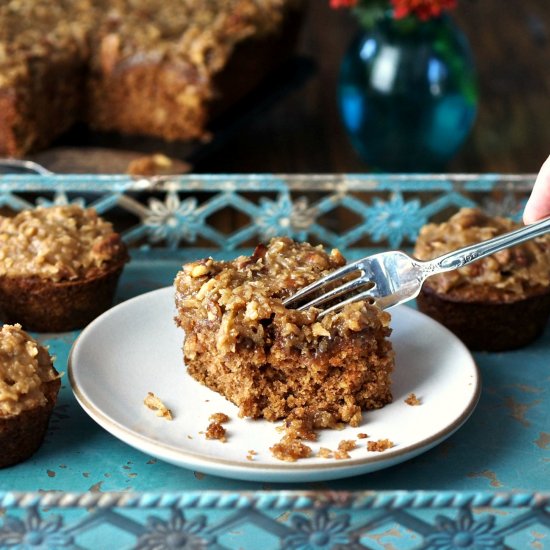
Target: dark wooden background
x,y
511,44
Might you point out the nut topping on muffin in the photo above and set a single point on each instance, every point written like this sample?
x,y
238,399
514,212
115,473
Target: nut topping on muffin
x,y
64,257
57,243
28,391
497,303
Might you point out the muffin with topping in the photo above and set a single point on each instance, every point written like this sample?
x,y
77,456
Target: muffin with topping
x,y
29,385
59,267
497,303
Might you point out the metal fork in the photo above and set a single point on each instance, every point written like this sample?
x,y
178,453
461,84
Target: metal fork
x,y
391,278
19,166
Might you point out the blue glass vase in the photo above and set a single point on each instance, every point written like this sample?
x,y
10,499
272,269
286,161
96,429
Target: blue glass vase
x,y
407,94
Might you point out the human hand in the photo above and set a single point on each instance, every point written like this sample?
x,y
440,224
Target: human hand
x,y
538,205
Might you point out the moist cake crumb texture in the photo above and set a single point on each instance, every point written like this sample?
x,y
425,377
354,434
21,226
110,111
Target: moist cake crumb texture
x,y
380,445
216,431
279,363
290,450
344,447
219,417
412,400
324,452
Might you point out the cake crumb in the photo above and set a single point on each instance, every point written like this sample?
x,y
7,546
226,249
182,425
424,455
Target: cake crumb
x,y
380,445
362,436
344,447
290,450
412,400
300,428
219,418
152,402
251,454
156,165
216,431
325,453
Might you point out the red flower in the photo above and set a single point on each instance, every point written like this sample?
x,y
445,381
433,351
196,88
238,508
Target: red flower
x,y
423,9
336,4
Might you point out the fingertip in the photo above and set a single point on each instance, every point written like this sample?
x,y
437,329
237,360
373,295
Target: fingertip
x,y
528,217
538,205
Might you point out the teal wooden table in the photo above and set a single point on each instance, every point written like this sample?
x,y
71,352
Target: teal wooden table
x,y
487,486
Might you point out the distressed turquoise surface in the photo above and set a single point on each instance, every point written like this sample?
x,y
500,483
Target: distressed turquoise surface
x,y
487,486
504,446
422,503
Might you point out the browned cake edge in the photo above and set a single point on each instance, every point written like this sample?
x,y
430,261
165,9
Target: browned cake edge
x,y
127,99
137,98
22,434
42,305
489,326
42,106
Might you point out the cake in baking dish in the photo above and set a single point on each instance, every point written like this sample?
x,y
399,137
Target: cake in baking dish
x,y
274,362
133,66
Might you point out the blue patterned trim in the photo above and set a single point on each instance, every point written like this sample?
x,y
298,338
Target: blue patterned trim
x,y
289,520
278,500
174,212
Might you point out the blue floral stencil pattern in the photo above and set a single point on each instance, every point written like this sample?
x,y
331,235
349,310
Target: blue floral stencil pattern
x,y
34,533
175,534
172,220
301,207
318,533
275,217
394,220
464,533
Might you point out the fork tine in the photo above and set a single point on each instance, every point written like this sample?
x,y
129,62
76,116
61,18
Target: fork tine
x,y
337,291
370,293
317,285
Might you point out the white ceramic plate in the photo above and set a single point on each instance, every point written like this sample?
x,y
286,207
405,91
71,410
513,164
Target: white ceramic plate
x,y
135,348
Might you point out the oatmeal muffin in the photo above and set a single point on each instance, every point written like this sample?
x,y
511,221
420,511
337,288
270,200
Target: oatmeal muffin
x,y
498,303
275,362
29,385
59,267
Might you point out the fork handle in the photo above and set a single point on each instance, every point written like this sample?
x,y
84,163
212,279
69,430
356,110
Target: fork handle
x,y
24,165
469,254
